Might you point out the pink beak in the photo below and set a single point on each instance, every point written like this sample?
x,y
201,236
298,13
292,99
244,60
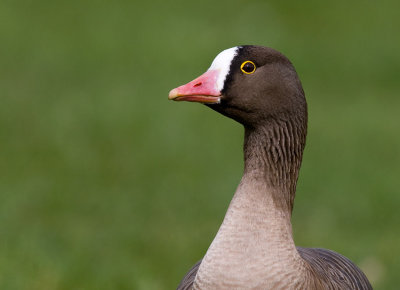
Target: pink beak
x,y
202,89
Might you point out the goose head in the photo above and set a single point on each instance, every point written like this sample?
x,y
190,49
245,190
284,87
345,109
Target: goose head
x,y
250,84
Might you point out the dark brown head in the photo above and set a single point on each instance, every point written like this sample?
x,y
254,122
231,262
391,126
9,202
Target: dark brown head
x,y
250,84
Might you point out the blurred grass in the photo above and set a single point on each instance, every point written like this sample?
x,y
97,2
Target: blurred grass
x,y
105,184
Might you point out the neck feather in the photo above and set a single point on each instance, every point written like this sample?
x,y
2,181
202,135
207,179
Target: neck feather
x,y
256,230
273,152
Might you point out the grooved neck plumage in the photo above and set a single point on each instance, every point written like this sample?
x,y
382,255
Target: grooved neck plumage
x,y
256,230
273,152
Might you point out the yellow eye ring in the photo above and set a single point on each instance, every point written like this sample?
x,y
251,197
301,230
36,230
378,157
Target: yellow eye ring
x,y
248,67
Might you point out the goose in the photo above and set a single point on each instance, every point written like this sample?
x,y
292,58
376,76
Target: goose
x,y
254,248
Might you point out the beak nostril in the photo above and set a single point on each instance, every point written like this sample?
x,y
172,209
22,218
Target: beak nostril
x,y
198,84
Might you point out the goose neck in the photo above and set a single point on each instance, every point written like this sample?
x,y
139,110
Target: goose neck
x,y
272,156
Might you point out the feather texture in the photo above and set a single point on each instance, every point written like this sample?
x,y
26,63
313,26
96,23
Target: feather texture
x,y
333,271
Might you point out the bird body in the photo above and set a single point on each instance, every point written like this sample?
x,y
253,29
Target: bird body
x,y
254,247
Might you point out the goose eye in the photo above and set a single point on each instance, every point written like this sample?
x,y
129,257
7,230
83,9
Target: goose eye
x,y
248,67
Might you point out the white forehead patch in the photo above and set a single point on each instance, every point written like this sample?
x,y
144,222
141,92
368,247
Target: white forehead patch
x,y
222,63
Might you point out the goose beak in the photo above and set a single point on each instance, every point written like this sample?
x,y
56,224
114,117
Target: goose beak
x,y
201,90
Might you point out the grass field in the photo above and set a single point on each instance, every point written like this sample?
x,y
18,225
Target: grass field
x,y
105,184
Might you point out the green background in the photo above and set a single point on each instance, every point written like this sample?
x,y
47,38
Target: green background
x,y
105,184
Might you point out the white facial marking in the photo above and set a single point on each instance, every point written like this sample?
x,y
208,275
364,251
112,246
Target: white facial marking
x,y
222,63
